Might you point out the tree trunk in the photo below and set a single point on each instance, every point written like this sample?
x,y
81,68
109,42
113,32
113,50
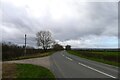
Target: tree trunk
x,y
44,48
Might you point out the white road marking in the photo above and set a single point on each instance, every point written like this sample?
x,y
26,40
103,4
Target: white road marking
x,y
69,58
92,68
96,70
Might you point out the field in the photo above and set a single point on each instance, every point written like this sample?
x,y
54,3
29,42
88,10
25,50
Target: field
x,y
108,57
19,71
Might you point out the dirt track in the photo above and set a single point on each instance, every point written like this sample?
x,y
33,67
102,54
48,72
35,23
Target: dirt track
x,y
44,61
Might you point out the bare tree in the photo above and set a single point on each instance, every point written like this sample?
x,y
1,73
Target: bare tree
x,y
44,39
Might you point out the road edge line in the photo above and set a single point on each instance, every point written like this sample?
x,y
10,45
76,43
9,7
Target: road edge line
x,y
96,70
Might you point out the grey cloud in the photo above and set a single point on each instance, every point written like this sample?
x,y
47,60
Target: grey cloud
x,y
101,19
15,15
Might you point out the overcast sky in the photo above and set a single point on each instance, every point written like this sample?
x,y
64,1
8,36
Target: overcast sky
x,y
78,23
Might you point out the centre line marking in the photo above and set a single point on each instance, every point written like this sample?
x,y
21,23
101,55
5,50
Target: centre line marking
x,y
96,70
69,58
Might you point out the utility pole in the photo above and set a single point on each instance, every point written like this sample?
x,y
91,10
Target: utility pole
x,y
25,44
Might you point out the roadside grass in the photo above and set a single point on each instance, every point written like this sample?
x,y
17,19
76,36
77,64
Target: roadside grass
x,y
110,58
32,71
36,55
26,71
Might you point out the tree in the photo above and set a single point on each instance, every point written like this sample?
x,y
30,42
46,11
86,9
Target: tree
x,y
57,47
44,39
68,47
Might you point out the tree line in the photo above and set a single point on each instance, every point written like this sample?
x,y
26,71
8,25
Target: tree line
x,y
44,40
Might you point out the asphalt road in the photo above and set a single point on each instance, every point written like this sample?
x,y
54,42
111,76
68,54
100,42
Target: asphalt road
x,y
65,65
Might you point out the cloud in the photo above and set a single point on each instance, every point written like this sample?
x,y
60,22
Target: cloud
x,y
68,20
92,42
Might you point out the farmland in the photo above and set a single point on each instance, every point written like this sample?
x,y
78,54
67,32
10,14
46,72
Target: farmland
x,y
108,57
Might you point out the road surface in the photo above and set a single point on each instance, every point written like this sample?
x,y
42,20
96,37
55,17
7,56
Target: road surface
x,y
65,65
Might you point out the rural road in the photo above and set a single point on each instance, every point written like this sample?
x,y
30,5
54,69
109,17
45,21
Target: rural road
x,y
65,65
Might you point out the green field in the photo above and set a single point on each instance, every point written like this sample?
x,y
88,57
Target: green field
x,y
23,71
107,57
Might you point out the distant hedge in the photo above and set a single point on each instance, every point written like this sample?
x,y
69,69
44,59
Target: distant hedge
x,y
105,55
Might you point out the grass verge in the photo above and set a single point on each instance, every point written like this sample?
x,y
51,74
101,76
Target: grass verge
x,y
77,53
23,71
36,55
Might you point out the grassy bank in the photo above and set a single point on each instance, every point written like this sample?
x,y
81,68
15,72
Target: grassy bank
x,y
107,57
36,55
26,71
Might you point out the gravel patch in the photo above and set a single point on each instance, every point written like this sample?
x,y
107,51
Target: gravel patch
x,y
44,61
